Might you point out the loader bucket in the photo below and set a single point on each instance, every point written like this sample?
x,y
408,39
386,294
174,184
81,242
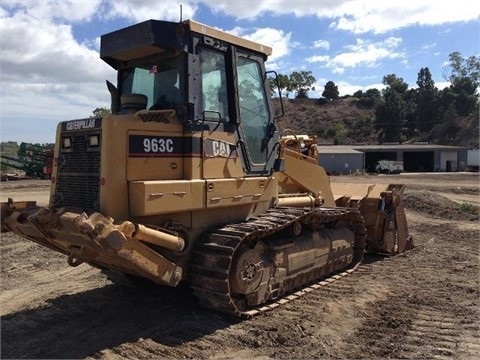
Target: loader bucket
x,y
381,206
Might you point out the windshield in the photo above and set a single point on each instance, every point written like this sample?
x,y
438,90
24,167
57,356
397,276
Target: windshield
x,y
158,79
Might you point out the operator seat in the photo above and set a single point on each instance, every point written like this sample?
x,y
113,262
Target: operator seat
x,y
168,95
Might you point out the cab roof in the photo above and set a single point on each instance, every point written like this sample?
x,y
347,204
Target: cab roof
x,y
233,39
155,36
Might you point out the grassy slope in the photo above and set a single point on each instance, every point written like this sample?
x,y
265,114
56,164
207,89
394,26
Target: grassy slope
x,y
346,120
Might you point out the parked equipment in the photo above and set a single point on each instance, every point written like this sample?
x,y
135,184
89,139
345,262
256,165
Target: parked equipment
x,y
389,167
189,179
31,160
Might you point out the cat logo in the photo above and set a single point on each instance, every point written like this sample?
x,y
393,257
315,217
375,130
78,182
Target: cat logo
x,y
219,148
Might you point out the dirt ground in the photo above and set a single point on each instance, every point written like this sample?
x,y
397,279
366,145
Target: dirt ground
x,y
422,304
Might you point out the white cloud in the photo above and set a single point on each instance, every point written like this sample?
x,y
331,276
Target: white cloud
x,y
47,75
363,52
377,16
86,10
344,88
32,50
141,10
277,39
321,44
442,85
61,77
318,58
46,10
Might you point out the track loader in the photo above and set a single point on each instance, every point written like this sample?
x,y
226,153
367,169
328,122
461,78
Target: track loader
x,y
189,179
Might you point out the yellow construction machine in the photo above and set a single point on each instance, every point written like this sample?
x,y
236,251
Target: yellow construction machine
x,y
189,179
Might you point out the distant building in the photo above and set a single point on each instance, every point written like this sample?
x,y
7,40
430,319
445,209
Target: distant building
x,y
341,159
415,157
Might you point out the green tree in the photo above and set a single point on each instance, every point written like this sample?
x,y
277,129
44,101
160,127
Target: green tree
x,y
101,112
395,83
331,91
283,83
466,96
358,94
392,112
459,67
369,98
447,130
426,113
464,76
301,83
279,83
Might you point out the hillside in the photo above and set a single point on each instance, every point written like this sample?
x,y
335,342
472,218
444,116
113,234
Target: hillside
x,y
345,121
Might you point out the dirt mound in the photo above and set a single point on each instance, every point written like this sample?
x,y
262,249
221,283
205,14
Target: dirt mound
x,y
440,207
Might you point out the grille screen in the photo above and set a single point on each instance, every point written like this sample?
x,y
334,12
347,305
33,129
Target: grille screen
x,y
78,180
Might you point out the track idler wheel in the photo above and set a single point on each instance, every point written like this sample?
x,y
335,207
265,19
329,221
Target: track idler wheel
x,y
247,272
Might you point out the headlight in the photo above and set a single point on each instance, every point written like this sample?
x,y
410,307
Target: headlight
x,y
94,140
67,142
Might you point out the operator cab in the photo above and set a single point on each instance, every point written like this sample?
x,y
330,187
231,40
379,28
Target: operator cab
x,y
211,79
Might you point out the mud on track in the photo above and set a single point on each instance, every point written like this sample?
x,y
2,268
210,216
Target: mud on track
x,y
422,304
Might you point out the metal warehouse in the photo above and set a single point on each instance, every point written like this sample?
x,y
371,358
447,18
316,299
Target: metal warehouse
x,y
415,157
341,159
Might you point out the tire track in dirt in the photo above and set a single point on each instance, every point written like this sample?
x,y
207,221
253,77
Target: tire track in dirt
x,y
426,315
450,335
446,321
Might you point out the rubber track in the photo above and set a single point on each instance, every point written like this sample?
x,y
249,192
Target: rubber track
x,y
213,255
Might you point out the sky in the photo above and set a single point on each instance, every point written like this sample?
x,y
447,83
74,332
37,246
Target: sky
x,y
50,69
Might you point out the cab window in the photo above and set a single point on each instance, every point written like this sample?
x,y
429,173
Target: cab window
x,y
214,85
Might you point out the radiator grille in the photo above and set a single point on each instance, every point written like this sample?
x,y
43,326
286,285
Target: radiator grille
x,y
78,180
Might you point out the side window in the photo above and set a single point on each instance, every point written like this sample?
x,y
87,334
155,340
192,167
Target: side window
x,y
254,115
214,84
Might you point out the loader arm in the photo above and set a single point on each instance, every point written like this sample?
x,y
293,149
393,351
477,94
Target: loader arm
x,y
303,174
380,205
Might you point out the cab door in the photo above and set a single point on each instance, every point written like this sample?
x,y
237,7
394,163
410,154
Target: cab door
x,y
258,139
236,111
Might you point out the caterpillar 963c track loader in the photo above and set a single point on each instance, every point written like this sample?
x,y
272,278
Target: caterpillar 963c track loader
x,y
190,180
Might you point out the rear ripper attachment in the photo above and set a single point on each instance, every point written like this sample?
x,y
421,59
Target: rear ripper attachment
x,y
96,240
